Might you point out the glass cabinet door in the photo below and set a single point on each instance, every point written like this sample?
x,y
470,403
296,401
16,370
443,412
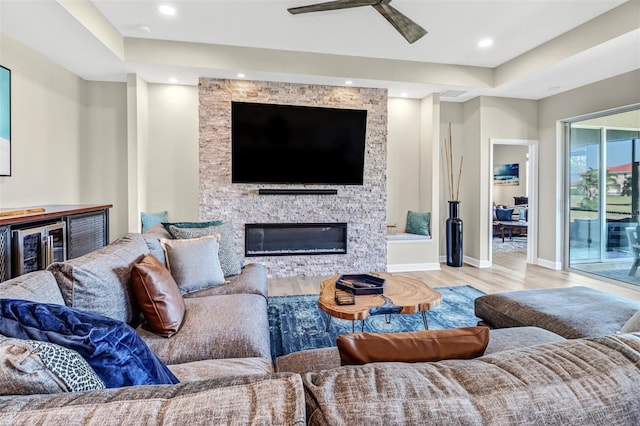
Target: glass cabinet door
x,y
28,253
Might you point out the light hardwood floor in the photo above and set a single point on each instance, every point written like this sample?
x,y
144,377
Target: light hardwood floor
x,y
509,272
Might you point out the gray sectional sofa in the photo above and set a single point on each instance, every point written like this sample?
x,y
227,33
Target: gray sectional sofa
x,y
221,355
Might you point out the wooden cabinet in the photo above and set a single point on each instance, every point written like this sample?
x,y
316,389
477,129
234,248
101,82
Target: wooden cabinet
x,y
86,229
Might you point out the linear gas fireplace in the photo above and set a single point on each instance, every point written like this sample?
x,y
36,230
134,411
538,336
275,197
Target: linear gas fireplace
x,y
290,239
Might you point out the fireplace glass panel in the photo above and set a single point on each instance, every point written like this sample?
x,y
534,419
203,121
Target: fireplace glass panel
x,y
269,239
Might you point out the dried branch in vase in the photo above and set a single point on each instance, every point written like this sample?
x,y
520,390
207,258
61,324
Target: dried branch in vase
x,y
448,153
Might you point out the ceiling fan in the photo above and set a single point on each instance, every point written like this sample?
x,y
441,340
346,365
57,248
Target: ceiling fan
x,y
405,26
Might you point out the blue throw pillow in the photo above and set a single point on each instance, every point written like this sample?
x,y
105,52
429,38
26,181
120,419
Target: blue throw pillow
x,y
113,349
150,219
504,214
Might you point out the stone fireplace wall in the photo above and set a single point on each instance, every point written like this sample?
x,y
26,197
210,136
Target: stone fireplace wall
x,y
362,207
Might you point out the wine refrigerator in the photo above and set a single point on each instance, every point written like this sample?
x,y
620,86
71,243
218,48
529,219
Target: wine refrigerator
x,y
38,247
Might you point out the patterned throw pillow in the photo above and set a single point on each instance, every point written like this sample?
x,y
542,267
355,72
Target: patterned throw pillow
x,y
418,223
30,367
205,224
229,260
193,262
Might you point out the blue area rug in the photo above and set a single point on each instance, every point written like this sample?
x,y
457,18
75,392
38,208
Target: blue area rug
x,y
296,323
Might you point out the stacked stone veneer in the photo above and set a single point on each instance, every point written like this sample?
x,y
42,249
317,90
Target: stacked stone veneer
x,y
362,207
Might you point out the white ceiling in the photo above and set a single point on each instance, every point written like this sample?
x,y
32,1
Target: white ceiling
x,y
541,47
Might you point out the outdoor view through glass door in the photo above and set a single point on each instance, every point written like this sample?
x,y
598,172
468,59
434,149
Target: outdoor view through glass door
x,y
604,158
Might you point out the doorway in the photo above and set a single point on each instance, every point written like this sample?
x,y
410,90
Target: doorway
x,y
513,197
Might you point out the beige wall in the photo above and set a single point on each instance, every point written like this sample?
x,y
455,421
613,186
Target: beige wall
x,y
509,154
171,154
68,137
403,161
607,94
46,115
103,152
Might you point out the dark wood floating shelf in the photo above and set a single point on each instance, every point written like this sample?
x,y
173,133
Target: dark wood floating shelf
x,y
297,191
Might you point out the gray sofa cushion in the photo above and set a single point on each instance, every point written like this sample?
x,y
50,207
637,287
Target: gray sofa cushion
x,y
571,312
37,286
499,340
216,368
226,326
582,382
252,280
277,400
98,282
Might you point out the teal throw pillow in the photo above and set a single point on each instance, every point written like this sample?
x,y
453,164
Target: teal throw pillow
x,y
229,259
418,223
150,219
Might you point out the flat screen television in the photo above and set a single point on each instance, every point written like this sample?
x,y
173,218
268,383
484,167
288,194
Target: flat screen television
x,y
287,144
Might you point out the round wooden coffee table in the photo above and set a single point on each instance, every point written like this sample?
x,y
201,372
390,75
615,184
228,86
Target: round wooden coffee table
x,y
402,295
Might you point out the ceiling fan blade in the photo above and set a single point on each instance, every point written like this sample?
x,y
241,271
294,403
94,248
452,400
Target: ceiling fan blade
x,y
405,26
332,5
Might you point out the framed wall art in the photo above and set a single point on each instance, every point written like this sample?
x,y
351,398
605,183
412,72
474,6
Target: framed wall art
x,y
506,174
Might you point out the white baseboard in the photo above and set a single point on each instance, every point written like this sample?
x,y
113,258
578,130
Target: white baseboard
x,y
413,267
477,263
556,266
470,261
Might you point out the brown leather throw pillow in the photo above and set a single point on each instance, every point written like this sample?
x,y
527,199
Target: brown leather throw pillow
x,y
158,296
415,346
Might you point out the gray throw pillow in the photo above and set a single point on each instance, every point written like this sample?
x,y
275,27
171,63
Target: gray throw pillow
x,y
193,262
633,325
99,281
30,367
229,260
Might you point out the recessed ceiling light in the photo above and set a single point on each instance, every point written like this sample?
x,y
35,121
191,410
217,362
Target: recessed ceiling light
x,y
241,75
165,9
487,42
173,80
404,94
348,82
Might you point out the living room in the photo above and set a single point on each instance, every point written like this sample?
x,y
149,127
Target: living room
x,y
143,138
122,133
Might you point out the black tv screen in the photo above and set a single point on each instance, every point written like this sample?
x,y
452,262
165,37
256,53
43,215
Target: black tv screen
x,y
287,144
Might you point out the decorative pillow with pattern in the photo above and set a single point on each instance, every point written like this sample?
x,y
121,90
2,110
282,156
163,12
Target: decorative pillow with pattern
x,y
229,260
32,367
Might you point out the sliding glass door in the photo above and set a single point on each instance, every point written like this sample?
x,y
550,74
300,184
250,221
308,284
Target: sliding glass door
x,y
603,186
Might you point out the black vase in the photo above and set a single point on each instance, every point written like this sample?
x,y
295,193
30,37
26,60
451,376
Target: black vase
x,y
454,235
